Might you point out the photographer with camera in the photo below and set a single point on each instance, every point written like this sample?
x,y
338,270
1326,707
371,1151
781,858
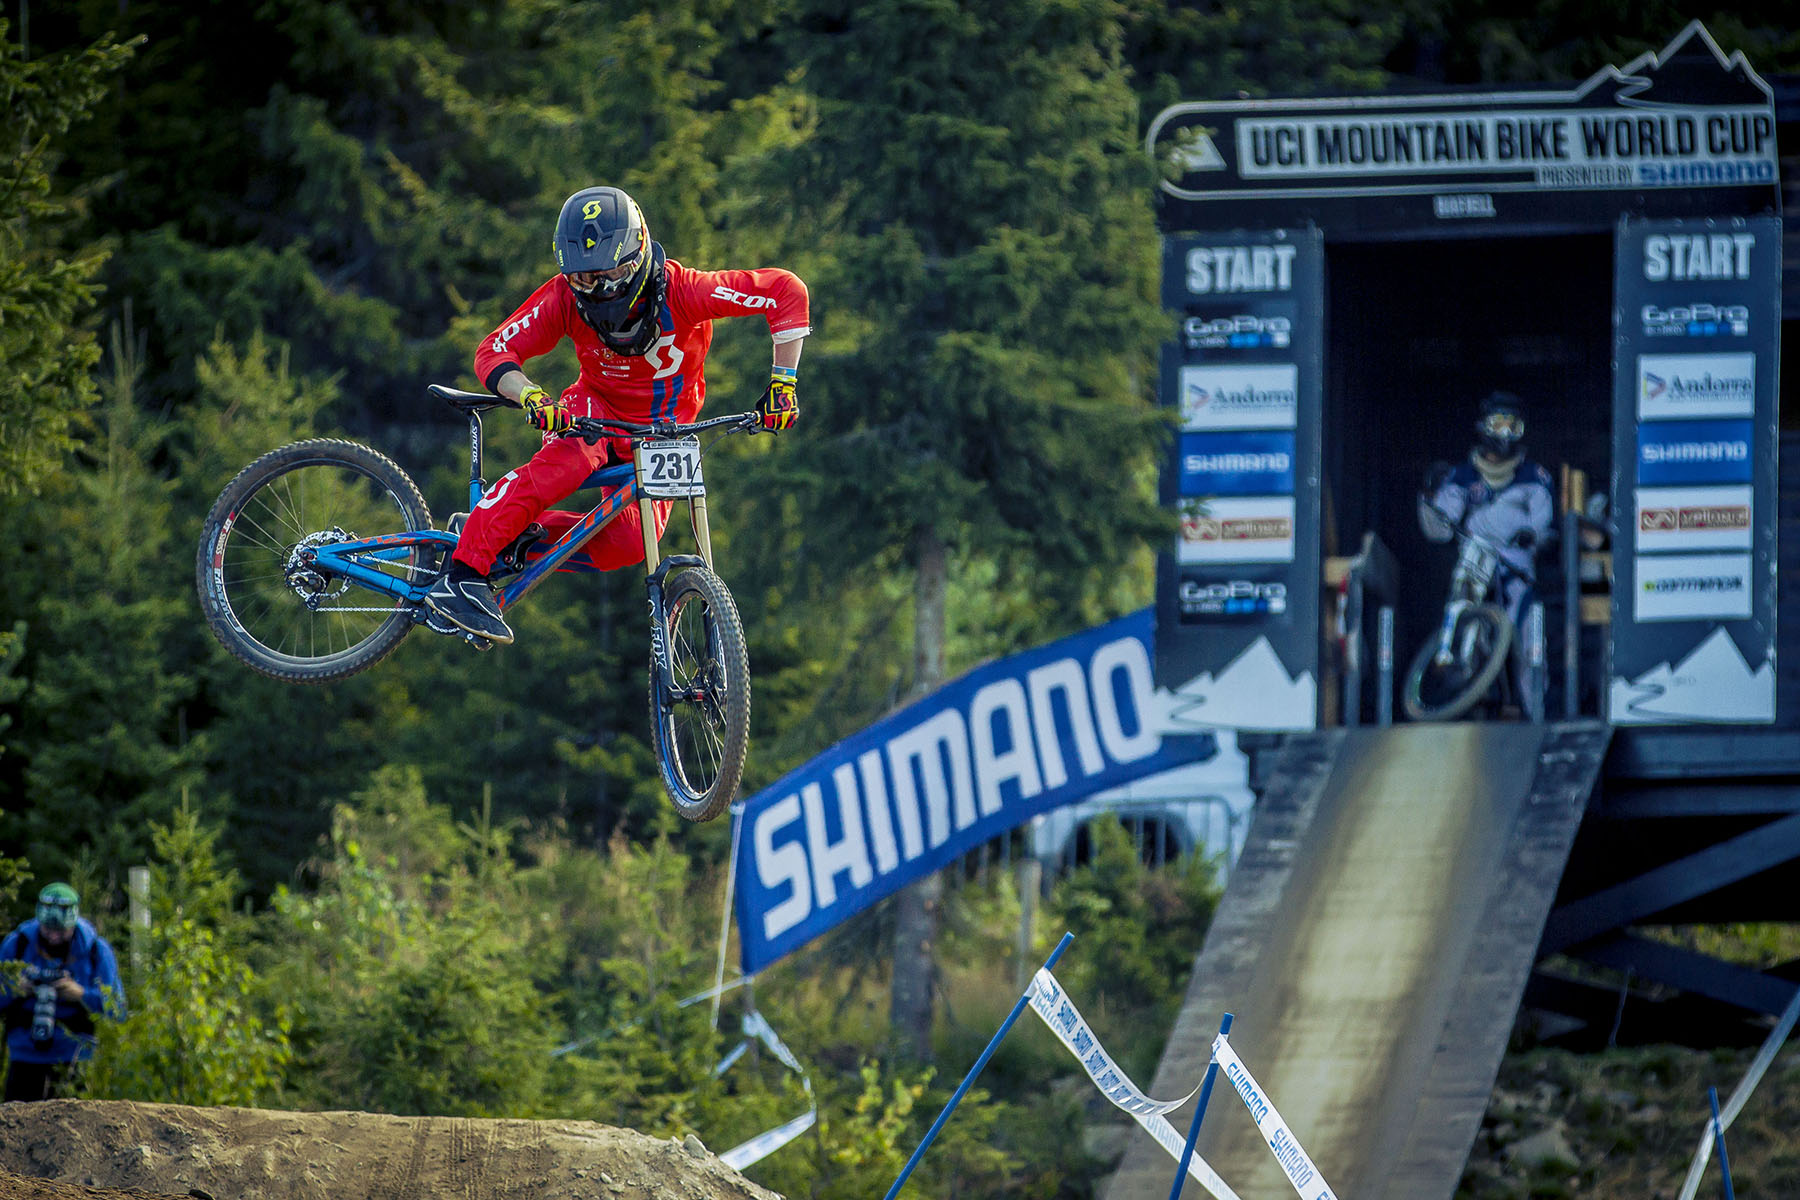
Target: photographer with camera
x,y
56,975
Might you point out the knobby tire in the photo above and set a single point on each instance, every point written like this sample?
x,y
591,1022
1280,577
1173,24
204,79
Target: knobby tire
x,y
253,510
700,746
1479,682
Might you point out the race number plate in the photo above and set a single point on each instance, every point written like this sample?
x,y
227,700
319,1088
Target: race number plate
x,y
669,469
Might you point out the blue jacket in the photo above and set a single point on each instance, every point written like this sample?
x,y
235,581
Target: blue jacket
x,y
90,963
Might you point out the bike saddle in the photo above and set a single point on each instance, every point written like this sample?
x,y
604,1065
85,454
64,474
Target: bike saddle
x,y
468,401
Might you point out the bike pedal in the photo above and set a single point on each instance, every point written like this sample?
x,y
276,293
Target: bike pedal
x,y
437,624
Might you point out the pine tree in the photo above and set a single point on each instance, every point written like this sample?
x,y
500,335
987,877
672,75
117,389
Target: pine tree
x,y
986,300
101,731
46,275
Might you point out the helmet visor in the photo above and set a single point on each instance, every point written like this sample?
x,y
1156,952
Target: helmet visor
x,y
609,283
1501,428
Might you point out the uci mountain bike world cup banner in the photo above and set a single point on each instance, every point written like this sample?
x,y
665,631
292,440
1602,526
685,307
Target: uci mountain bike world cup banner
x,y
1696,335
924,786
1237,594
1667,132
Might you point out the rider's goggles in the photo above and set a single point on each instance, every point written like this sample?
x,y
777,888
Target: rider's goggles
x,y
607,283
1501,426
56,915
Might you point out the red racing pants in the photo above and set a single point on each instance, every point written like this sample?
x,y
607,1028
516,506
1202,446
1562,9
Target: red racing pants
x,y
525,494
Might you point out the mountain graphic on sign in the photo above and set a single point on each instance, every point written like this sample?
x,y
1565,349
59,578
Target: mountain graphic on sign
x,y
1193,149
1692,70
1713,684
1254,691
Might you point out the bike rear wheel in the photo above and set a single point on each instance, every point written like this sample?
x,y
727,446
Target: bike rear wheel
x,y
1443,692
261,597
702,731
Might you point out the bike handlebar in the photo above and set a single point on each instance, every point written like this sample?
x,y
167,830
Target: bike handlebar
x,y
592,429
1460,528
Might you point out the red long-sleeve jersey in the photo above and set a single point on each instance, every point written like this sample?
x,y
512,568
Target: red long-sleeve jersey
x,y
668,381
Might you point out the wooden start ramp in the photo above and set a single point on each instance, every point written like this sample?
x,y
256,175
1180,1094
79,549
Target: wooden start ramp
x,y
1373,946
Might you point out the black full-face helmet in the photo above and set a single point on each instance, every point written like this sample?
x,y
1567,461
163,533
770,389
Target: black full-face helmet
x,y
1500,429
603,249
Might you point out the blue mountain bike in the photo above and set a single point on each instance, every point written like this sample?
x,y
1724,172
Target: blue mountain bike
x,y
314,563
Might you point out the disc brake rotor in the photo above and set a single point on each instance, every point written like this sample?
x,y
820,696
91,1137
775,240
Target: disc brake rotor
x,y
309,583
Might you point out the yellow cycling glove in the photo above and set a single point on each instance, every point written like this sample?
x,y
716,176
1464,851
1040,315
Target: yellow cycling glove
x,y
547,414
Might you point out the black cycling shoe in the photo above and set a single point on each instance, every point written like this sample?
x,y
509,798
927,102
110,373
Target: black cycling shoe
x,y
465,600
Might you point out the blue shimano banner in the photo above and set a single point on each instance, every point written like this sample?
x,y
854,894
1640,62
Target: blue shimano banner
x,y
931,782
1695,452
1245,463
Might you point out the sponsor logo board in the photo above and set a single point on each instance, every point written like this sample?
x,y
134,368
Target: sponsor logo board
x,y
1239,397
1695,452
1697,319
1672,386
1693,587
1203,598
1236,464
1237,331
1237,529
1698,518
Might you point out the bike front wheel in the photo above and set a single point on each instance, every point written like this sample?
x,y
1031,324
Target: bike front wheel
x,y
701,725
262,596
1444,691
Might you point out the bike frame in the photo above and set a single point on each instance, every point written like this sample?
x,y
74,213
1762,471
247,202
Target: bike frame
x,y
342,558
1479,566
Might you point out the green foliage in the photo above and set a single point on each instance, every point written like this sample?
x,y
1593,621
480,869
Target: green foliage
x,y
1138,931
990,210
203,1030
13,872
12,649
417,980
47,269
101,743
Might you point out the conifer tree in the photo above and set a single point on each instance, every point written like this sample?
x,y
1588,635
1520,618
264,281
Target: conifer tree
x,y
990,272
46,274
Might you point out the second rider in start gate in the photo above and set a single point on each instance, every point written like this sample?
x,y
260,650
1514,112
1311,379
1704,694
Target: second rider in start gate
x,y
641,324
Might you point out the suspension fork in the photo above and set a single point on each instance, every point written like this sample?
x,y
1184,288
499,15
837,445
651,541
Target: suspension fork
x,y
1453,611
657,568
647,518
660,650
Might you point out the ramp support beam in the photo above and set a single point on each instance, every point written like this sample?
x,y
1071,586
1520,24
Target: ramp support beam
x,y
1664,887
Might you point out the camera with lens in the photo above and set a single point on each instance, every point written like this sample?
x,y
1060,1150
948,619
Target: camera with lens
x,y
43,1007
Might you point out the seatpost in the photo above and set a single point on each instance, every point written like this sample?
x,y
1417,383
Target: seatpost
x,y
476,485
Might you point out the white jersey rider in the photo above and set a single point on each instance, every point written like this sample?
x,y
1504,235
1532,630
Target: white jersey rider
x,y
1498,494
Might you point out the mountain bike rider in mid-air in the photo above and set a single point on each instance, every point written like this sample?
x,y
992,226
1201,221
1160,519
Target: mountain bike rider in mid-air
x,y
1499,494
641,324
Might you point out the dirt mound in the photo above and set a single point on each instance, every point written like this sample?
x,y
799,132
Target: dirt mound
x,y
94,1146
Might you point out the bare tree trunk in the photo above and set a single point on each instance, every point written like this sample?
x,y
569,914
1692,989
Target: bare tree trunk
x,y
916,917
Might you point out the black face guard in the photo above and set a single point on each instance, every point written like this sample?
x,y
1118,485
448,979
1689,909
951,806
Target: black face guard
x,y
627,324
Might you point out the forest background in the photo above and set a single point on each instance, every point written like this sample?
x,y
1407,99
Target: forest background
x,y
224,226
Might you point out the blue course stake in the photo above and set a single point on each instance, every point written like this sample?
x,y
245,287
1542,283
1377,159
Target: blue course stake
x,y
956,1097
1206,1086
1712,1095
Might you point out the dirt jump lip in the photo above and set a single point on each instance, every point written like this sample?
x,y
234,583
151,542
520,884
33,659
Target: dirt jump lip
x,y
122,1150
